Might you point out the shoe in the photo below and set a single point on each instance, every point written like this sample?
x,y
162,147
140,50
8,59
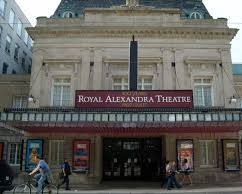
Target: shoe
x,y
68,189
168,188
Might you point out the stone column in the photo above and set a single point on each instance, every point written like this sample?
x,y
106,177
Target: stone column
x,y
219,101
180,71
167,69
36,78
106,76
97,70
85,70
227,77
98,159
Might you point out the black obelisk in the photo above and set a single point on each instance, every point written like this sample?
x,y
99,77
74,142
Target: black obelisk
x,y
133,64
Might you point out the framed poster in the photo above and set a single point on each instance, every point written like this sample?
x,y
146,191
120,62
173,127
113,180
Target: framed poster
x,y
231,155
185,150
34,147
1,150
81,155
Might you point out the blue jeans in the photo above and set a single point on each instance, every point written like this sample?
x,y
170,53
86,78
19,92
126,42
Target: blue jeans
x,y
40,178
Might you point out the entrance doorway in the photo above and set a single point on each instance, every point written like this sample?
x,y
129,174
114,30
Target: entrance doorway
x,y
132,158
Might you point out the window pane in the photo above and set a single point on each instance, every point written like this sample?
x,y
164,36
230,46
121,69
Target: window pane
x,y
202,153
211,152
2,7
19,27
11,18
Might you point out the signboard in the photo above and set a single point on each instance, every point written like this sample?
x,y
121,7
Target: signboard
x,y
1,150
133,99
184,151
231,155
81,155
34,148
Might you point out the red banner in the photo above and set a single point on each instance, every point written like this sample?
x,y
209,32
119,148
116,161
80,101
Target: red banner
x,y
1,150
133,99
81,149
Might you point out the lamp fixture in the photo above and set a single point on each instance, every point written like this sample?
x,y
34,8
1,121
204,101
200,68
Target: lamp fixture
x,y
32,98
233,99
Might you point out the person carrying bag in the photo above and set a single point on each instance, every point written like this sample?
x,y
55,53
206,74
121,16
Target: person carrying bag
x,y
65,173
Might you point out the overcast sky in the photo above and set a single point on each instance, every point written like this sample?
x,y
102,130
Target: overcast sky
x,y
231,9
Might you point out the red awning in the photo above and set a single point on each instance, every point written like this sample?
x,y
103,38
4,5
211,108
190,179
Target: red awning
x,y
130,128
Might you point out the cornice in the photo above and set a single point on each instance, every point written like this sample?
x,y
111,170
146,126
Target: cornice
x,y
124,31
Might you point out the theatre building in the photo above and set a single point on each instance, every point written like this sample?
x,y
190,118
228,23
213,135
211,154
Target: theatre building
x,y
82,107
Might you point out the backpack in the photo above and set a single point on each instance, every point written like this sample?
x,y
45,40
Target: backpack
x,y
67,169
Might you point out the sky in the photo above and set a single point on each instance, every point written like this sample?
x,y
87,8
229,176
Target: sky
x,y
217,8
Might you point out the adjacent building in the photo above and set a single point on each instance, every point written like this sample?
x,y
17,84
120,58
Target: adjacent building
x,y
15,43
81,107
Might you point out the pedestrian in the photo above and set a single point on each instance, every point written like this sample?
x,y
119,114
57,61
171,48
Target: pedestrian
x,y
6,176
186,171
173,175
168,179
43,175
66,171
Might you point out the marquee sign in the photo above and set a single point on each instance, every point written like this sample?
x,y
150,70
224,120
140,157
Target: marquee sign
x,y
133,99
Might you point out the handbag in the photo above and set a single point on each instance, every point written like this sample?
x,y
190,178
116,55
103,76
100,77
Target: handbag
x,y
61,175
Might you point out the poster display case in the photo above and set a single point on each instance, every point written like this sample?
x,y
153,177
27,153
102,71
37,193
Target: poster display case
x,y
34,148
81,156
185,150
1,150
231,155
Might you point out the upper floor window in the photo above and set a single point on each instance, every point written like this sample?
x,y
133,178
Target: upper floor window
x,y
14,153
8,44
5,68
1,31
61,92
207,153
68,14
145,83
26,37
19,27
16,52
195,15
202,92
2,7
122,83
11,18
20,102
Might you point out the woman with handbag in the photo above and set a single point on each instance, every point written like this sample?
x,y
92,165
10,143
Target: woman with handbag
x,y
64,174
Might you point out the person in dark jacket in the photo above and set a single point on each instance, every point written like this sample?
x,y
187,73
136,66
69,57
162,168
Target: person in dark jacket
x,y
6,176
66,170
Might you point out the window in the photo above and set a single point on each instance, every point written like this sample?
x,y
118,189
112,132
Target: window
x,y
14,153
68,14
8,44
208,153
2,7
1,31
11,18
16,52
195,15
145,83
26,37
202,92
23,60
121,83
5,68
20,102
56,152
19,27
61,92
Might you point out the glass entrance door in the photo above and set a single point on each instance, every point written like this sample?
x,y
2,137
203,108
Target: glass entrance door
x,y
131,158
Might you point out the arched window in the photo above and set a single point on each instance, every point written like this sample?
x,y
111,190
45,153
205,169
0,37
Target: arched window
x,y
68,14
195,15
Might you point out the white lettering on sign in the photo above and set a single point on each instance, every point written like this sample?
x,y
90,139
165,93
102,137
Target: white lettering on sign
x,y
34,145
161,98
89,99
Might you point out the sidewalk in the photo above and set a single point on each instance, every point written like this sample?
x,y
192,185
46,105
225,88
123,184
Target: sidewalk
x,y
204,189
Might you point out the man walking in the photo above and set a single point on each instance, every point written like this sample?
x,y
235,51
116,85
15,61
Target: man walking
x,y
66,170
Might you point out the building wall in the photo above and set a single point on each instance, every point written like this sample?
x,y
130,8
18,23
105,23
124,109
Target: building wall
x,y
69,53
8,58
13,86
